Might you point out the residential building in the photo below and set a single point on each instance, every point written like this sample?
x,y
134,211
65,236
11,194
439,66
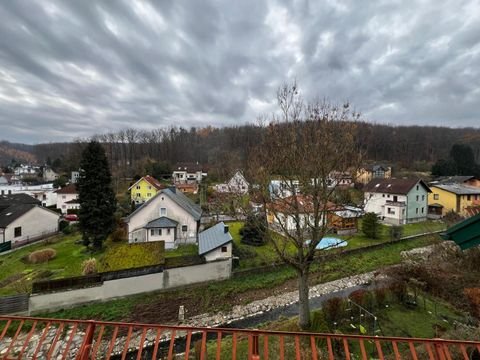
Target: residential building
x,y
188,173
340,179
168,216
397,201
3,180
465,180
283,188
26,171
45,192
67,198
187,188
74,177
215,243
458,198
23,220
282,213
144,189
237,184
367,173
49,175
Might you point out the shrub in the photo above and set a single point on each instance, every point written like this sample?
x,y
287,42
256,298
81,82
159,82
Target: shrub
x,y
334,309
254,231
399,290
371,226
359,297
380,296
89,266
119,235
41,256
396,233
63,224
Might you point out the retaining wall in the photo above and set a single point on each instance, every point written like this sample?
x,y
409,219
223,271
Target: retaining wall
x,y
110,289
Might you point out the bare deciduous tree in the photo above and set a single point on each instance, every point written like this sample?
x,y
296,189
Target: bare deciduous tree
x,y
308,148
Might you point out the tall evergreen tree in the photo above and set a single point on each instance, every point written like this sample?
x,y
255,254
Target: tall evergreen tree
x,y
370,225
96,196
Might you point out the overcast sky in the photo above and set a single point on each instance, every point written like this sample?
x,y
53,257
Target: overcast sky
x,y
74,68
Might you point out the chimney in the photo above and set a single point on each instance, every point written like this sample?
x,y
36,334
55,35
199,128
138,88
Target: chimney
x,y
225,229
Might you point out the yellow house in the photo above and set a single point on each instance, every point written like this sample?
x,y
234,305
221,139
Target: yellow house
x,y
367,173
144,189
458,198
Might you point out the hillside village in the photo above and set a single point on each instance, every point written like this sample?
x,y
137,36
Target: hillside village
x,y
239,180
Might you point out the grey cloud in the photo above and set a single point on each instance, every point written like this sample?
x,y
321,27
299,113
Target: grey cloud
x,y
70,69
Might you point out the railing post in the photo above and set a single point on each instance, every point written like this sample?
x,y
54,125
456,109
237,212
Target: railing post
x,y
255,352
84,351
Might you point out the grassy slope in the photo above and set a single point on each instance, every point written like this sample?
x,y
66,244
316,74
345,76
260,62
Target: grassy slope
x,y
217,296
264,255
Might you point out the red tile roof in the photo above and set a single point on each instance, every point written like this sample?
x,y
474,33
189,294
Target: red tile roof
x,y
69,189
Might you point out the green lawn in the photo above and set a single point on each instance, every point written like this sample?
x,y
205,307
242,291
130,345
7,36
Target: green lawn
x,y
66,263
257,256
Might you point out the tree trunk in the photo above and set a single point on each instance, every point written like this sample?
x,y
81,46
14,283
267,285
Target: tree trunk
x,y
303,303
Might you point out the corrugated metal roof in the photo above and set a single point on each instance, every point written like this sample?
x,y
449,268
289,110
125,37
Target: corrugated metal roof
x,y
213,238
459,189
162,222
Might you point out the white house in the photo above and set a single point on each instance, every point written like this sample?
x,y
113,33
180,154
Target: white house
x,y
188,173
25,171
237,184
48,174
215,243
397,201
168,216
67,198
283,188
75,175
22,219
44,192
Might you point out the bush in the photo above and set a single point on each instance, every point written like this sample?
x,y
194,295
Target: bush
x,y
89,266
396,233
399,290
255,230
41,256
119,235
334,309
63,224
380,296
359,297
371,226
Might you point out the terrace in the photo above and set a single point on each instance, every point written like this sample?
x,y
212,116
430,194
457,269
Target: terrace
x,y
70,339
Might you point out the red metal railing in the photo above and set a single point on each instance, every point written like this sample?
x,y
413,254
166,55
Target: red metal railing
x,y
39,338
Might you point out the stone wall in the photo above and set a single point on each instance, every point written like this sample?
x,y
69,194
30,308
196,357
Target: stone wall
x,y
110,289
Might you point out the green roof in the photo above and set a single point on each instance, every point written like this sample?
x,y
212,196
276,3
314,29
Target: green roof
x,y
466,234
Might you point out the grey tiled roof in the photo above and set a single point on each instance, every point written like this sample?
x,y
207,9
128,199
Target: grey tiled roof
x,y
178,197
182,200
13,212
162,222
213,238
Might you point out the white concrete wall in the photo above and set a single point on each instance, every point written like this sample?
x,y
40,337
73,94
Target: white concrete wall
x,y
168,238
374,202
218,254
35,223
171,278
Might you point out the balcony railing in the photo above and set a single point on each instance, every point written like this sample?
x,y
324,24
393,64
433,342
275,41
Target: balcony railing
x,y
40,338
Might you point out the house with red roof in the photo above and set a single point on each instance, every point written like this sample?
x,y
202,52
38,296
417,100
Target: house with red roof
x,y
145,189
67,198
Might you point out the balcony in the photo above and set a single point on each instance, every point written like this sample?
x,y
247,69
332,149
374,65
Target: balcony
x,y
27,337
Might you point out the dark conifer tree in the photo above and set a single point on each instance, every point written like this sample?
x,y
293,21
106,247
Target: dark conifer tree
x,y
96,196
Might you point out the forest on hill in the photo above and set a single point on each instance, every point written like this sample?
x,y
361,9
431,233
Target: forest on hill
x,y
224,149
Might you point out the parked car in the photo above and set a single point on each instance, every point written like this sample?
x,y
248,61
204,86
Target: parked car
x,y
71,217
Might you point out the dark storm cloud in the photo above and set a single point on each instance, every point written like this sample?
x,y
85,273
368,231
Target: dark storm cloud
x,y
70,69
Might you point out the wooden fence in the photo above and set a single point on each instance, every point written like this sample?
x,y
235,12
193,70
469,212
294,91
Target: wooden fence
x,y
14,304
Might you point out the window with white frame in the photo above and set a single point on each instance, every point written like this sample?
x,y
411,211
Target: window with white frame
x,y
163,211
